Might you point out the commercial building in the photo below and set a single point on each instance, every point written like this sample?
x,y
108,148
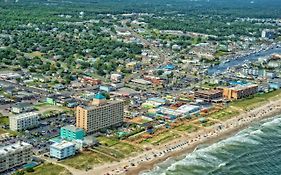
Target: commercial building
x,y
188,109
208,95
71,132
154,102
62,150
240,91
24,121
100,114
15,155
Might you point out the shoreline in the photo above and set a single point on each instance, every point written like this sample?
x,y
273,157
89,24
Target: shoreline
x,y
232,127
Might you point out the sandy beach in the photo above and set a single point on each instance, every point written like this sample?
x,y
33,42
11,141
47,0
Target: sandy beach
x,y
148,159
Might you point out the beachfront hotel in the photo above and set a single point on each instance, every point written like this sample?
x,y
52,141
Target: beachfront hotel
x,y
15,155
100,114
240,91
24,121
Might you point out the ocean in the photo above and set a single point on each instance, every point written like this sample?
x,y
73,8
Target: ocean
x,y
255,150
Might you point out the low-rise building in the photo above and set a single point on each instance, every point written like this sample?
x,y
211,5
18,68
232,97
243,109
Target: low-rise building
x,y
24,121
62,150
208,95
15,155
240,91
71,132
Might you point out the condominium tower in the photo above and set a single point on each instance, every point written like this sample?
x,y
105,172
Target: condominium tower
x,y
100,114
24,121
15,155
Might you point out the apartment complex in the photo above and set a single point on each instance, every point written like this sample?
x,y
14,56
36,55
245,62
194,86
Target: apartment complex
x,y
62,150
208,95
71,132
15,155
100,114
240,91
24,121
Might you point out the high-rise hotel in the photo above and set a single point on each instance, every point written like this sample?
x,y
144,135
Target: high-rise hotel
x,y
100,114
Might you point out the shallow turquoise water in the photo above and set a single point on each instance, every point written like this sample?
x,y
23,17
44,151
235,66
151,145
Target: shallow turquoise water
x,y
253,151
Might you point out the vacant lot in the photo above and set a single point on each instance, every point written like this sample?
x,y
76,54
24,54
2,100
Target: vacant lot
x,y
85,160
49,169
186,128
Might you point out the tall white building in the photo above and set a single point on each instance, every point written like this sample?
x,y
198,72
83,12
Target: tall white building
x,y
15,155
24,121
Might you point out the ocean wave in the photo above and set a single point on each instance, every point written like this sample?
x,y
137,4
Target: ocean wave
x,y
239,150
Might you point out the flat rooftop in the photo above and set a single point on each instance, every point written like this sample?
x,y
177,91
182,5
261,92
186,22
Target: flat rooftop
x,y
208,92
108,103
62,145
24,115
10,148
243,87
72,128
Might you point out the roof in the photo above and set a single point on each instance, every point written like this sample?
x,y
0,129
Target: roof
x,y
243,87
159,100
62,145
72,128
141,81
99,96
126,91
92,107
13,147
25,115
22,105
187,108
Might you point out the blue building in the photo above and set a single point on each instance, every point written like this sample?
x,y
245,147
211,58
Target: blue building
x,y
275,85
106,88
62,150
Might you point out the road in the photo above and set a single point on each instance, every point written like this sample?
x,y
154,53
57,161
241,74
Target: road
x,y
27,88
162,58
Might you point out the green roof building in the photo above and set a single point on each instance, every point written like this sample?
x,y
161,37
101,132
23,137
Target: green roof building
x,y
70,133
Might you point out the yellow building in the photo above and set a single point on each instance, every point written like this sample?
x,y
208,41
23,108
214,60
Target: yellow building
x,y
240,91
100,114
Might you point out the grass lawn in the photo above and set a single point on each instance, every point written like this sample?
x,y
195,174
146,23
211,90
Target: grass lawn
x,y
110,151
224,114
125,148
36,54
108,141
161,138
4,120
2,131
187,128
207,123
85,160
49,169
257,100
